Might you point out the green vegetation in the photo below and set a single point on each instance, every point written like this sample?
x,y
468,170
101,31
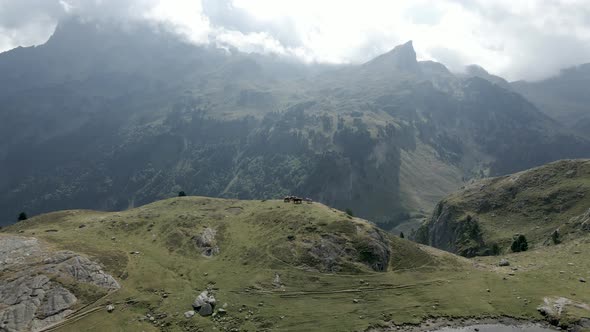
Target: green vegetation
x,y
482,218
349,212
376,138
519,243
555,237
181,194
22,216
259,239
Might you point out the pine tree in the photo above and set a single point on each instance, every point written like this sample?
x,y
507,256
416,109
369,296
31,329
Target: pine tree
x,y
519,243
22,216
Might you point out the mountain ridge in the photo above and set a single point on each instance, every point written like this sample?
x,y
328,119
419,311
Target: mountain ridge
x,y
236,125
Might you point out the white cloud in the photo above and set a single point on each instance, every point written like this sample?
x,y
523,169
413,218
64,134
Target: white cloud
x,y
517,39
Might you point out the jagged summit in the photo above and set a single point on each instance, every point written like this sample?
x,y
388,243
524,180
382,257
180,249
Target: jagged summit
x,y
401,57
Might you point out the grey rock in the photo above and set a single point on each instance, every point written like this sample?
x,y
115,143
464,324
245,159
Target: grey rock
x,y
206,310
582,280
277,281
30,299
189,314
504,262
206,242
110,308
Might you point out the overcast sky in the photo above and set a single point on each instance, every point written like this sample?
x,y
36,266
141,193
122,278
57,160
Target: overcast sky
x,y
517,39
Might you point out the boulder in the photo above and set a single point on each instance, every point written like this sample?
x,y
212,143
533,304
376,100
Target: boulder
x,y
206,310
189,314
504,262
110,308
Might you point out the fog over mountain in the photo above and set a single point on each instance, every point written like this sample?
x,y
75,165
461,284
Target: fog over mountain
x,y
282,165
112,115
454,32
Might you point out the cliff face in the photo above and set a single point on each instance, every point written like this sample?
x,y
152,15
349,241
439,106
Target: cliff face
x,y
451,230
483,217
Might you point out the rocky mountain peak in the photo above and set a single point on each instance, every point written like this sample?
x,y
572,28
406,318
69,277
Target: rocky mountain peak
x,y
401,57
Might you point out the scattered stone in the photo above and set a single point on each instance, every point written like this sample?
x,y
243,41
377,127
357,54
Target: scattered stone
x,y
189,314
221,311
582,280
488,290
134,252
110,308
82,226
355,301
504,262
277,281
260,304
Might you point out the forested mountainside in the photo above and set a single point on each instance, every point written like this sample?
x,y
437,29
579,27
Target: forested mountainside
x,y
109,117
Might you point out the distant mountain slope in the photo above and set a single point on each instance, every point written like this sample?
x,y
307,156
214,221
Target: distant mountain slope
x,y
536,203
565,97
109,117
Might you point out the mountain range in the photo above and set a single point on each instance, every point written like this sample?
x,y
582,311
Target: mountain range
x,y
110,117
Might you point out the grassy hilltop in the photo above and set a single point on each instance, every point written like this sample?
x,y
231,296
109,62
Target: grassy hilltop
x,y
337,273
554,198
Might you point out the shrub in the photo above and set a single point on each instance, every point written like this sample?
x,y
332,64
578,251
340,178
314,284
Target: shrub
x,y
555,237
349,212
519,243
401,235
181,194
22,216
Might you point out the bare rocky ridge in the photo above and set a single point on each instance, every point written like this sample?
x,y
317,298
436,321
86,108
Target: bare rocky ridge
x,y
32,294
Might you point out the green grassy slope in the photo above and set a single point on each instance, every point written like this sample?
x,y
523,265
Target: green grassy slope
x,y
257,240
536,202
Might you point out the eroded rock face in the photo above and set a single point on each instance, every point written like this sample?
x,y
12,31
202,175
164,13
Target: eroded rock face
x,y
555,308
206,242
30,297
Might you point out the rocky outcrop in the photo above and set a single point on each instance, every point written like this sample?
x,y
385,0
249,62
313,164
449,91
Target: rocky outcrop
x,y
31,295
204,303
555,309
206,242
450,230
